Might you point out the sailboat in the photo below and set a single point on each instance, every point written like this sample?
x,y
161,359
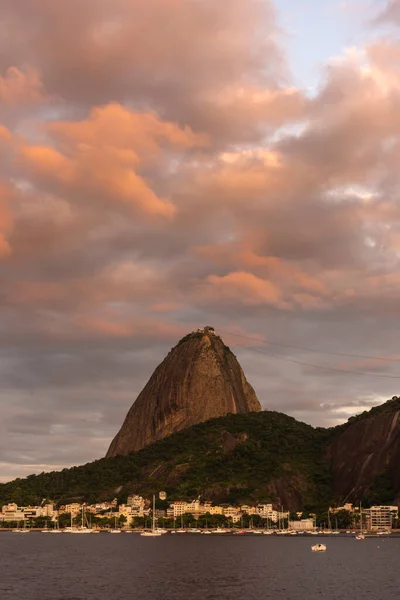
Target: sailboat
x,y
154,532
360,536
181,530
56,527
24,530
115,530
206,530
83,528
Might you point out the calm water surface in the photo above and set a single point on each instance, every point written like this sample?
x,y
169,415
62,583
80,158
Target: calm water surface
x,y
191,567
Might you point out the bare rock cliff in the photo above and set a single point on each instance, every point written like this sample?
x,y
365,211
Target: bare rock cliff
x,y
198,380
364,450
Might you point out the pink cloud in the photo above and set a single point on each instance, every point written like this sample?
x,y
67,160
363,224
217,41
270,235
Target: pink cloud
x,y
18,87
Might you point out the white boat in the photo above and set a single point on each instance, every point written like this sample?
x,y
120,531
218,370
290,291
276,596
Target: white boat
x,y
154,532
318,548
81,530
219,530
19,530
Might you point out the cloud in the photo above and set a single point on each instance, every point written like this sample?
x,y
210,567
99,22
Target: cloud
x,y
194,53
159,171
103,156
390,14
19,87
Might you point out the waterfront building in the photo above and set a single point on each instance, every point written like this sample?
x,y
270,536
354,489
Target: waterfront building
x,y
11,512
378,518
179,507
74,508
231,512
302,525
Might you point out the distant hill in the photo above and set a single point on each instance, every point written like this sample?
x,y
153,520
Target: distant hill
x,y
242,458
264,456
365,456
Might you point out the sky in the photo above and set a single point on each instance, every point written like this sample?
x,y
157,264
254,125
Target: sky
x,y
179,163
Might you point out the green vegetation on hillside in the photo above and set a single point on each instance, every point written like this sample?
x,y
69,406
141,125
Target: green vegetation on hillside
x,y
237,458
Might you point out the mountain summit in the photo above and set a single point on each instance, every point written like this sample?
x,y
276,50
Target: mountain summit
x,y
198,380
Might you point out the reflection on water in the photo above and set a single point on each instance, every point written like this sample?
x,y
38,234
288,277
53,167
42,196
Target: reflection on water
x,y
191,567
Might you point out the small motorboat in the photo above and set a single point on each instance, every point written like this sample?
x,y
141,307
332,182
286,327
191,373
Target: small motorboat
x,y
318,548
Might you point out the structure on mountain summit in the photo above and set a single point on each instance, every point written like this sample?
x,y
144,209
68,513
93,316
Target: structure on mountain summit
x,y
199,379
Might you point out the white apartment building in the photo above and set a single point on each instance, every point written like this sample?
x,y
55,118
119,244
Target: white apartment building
x,y
231,512
179,508
380,517
73,508
215,510
266,511
126,511
249,510
11,512
48,510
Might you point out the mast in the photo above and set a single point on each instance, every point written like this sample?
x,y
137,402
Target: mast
x,y
154,512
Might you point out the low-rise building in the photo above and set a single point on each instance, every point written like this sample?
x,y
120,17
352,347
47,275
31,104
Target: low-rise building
x,y
302,525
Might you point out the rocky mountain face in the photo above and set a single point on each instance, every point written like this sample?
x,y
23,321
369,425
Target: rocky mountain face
x,y
365,455
198,380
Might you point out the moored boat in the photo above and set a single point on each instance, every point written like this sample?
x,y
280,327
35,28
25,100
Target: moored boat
x,y
318,548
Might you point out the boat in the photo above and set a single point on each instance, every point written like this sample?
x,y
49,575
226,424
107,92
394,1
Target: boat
x,y
154,532
115,528
318,548
82,529
19,530
219,530
360,536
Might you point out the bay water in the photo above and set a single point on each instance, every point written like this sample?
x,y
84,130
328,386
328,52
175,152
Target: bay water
x,y
196,567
